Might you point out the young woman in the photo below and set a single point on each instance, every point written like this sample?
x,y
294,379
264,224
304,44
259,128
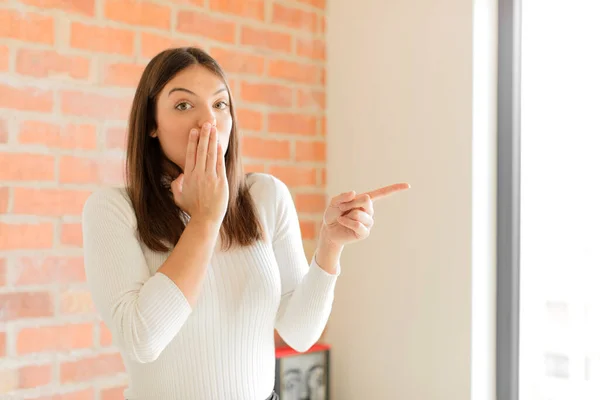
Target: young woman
x,y
193,264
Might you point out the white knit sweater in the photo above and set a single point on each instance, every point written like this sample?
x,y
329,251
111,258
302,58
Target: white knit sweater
x,y
222,347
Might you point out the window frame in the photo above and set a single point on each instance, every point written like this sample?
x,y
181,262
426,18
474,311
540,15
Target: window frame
x,y
508,199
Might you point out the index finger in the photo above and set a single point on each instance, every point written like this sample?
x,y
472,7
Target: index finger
x,y
202,151
387,190
190,158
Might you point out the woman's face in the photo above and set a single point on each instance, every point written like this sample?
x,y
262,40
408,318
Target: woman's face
x,y
194,96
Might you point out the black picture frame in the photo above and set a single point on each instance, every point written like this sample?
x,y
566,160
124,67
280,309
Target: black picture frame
x,y
303,376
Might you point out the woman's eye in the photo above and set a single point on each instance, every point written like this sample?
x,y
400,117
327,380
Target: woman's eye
x,y
222,105
183,106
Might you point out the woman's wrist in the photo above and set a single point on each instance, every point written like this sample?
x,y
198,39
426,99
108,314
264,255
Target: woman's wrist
x,y
328,253
204,229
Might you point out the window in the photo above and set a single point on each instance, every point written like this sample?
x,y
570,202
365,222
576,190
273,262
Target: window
x,y
548,329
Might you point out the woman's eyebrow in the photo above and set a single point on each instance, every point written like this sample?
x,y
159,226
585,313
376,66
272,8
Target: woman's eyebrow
x,y
175,89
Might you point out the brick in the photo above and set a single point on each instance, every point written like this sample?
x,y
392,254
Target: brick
x,y
78,137
95,105
25,98
233,87
2,344
123,75
86,394
116,138
35,376
237,62
26,167
249,119
105,335
35,132
48,63
310,151
323,177
136,12
90,368
26,27
264,93
315,3
195,3
54,136
266,149
253,9
312,99
71,235
294,176
292,71
292,123
85,170
197,23
323,77
49,202
101,39
311,48
57,338
26,236
4,58
49,270
112,171
76,302
3,271
295,18
84,7
3,131
324,126
308,229
310,202
25,305
112,393
153,44
266,39
254,168
4,195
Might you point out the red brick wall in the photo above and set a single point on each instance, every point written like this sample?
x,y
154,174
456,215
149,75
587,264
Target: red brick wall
x,y
68,70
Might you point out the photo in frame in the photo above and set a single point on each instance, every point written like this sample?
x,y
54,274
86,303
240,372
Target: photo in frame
x,y
302,376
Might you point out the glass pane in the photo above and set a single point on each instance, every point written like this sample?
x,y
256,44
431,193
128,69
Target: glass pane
x,y
560,203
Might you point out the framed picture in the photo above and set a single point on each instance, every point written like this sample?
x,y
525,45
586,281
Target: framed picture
x,y
302,376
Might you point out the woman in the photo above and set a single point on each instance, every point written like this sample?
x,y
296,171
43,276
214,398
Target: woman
x,y
193,264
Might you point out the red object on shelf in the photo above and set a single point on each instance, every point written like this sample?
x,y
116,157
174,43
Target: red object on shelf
x,y
286,351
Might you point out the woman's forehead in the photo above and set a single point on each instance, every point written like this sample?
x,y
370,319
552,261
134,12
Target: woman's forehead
x,y
197,79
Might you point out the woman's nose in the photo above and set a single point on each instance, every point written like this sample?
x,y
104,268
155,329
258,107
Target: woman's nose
x,y
207,115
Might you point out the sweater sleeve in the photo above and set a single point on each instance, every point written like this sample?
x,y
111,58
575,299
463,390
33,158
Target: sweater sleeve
x,y
307,290
144,312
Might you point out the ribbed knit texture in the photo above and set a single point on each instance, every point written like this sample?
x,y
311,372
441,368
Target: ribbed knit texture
x,y
221,348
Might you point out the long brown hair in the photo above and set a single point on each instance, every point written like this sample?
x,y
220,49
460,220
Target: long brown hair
x,y
160,222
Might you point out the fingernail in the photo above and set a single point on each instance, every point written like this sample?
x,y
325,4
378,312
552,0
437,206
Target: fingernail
x,y
194,131
206,125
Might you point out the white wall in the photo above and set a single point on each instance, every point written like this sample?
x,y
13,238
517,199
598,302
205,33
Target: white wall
x,y
400,109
